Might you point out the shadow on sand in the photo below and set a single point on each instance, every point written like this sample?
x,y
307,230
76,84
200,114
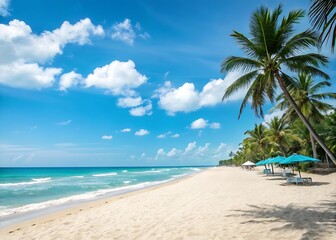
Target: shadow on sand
x,y
304,185
316,222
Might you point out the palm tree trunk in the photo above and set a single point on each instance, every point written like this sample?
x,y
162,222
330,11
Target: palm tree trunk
x,y
282,149
304,120
312,140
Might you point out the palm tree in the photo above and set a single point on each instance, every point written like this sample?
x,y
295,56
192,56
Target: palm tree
x,y
323,16
256,141
308,96
272,49
281,134
329,131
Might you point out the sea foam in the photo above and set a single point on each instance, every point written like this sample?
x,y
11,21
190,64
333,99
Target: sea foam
x,y
77,198
35,181
105,174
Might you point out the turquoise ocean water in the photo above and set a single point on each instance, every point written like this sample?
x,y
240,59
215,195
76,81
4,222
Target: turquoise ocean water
x,y
24,190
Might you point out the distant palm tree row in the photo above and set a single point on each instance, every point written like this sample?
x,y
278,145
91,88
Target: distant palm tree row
x,y
275,58
280,137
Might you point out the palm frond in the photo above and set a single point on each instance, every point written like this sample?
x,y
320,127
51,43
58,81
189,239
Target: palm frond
x,y
241,82
239,63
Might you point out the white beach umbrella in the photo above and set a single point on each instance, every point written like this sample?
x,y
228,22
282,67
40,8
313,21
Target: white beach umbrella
x,y
249,163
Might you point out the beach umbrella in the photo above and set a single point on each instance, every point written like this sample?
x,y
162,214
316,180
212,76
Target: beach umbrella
x,y
277,159
260,163
269,161
249,163
297,158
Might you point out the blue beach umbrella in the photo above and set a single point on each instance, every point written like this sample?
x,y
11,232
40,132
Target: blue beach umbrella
x,y
260,163
278,159
297,158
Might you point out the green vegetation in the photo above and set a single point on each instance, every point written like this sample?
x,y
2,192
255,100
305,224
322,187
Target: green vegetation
x,y
276,57
323,17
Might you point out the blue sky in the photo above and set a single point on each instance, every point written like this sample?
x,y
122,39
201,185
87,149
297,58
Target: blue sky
x,y
121,83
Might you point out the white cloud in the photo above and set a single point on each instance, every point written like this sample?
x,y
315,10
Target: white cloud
x,y
19,42
27,75
190,99
173,152
127,33
23,52
129,102
191,146
268,117
143,155
124,32
221,147
69,79
202,123
107,137
197,153
64,123
199,124
162,135
142,110
201,150
144,35
119,78
215,125
126,130
191,151
141,132
160,153
186,97
176,135
4,4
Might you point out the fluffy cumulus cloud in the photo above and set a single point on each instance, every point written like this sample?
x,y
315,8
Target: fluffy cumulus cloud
x,y
142,110
202,123
127,33
107,137
186,96
199,124
118,78
126,130
190,99
26,52
121,79
27,75
124,32
4,7
129,102
142,132
69,80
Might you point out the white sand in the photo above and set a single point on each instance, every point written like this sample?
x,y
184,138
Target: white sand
x,y
219,203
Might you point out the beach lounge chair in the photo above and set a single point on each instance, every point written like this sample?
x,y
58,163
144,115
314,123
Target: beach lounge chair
x,y
295,179
286,173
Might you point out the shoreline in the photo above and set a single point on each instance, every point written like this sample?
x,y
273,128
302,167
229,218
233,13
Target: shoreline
x,y
13,220
216,203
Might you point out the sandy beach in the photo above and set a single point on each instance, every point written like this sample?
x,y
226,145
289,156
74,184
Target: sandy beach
x,y
218,203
